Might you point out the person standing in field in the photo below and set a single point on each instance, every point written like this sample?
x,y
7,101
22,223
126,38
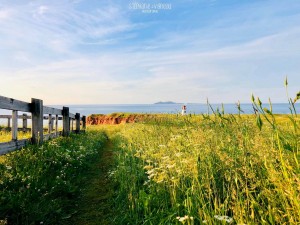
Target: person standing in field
x,y
183,110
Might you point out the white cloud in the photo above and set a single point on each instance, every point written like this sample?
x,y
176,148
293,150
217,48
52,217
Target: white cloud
x,y
5,14
63,54
58,28
42,9
185,76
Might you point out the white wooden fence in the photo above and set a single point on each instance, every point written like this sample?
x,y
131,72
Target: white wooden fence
x,y
39,113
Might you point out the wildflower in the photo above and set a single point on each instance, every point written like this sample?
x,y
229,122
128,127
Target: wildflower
x,y
224,218
148,167
111,173
146,182
178,154
182,219
150,171
151,175
170,166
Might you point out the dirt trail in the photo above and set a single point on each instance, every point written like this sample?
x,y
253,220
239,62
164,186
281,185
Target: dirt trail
x,y
95,206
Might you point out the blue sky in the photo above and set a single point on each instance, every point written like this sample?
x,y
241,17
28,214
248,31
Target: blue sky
x,y
100,52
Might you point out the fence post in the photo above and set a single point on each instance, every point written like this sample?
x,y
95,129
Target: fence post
x,y
77,119
56,125
37,120
66,121
8,122
14,128
24,122
50,123
83,122
72,127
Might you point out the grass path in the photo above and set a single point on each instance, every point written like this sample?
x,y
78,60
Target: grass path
x,y
95,206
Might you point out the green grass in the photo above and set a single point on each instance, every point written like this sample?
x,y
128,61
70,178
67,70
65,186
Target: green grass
x,y
39,184
5,135
206,170
168,169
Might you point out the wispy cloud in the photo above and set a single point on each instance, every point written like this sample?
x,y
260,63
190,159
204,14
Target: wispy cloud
x,y
5,14
106,53
60,26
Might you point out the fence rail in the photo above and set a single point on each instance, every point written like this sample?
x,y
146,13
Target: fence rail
x,y
39,113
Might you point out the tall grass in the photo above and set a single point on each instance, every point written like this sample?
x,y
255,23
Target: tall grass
x,y
209,169
39,184
196,169
6,136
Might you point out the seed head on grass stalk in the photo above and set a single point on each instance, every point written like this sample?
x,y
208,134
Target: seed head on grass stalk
x,y
271,106
259,122
238,105
232,171
297,97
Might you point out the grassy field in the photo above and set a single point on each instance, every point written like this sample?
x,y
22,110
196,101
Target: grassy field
x,y
171,169
40,184
208,170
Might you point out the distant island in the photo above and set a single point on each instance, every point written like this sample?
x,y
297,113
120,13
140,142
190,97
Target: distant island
x,y
168,102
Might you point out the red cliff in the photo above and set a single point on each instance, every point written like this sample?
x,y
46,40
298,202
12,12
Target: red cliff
x,y
115,118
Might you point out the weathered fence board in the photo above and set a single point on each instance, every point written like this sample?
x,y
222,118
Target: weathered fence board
x,y
13,104
24,122
48,110
50,136
37,117
37,121
77,119
14,125
84,122
56,125
66,121
72,116
6,147
28,117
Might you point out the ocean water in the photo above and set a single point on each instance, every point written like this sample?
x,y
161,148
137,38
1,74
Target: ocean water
x,y
171,108
279,108
193,108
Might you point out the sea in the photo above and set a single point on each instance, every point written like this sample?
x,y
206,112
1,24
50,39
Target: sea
x,y
192,108
172,108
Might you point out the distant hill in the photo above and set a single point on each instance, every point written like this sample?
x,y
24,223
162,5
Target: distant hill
x,y
168,102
